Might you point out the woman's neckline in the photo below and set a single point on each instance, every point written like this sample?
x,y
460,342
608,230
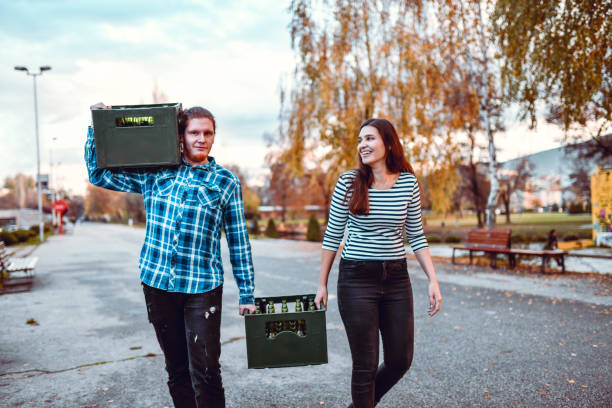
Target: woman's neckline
x,y
388,188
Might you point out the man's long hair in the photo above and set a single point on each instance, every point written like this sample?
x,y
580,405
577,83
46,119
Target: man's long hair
x,y
395,160
196,112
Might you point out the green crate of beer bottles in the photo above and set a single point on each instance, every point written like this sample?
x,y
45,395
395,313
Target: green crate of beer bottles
x,y
286,331
137,135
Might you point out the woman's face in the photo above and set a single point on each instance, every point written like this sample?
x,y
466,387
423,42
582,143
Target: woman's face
x,y
371,147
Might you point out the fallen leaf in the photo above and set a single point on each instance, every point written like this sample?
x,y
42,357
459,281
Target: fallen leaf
x,y
571,381
584,386
542,392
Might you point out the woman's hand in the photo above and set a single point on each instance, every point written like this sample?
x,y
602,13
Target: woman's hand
x,y
321,297
435,298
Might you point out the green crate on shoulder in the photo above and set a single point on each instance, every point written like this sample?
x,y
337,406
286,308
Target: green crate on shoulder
x,y
132,136
286,331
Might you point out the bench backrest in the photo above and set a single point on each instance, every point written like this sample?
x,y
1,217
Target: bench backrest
x,y
492,238
4,258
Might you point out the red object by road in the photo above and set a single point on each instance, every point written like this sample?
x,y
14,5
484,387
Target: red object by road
x,y
60,206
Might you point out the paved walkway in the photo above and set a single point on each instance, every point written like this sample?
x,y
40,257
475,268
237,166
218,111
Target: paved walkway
x,y
501,339
572,263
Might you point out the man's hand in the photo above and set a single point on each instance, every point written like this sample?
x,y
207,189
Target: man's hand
x,y
249,309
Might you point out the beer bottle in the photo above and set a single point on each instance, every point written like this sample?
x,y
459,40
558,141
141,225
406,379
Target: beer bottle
x,y
284,308
311,306
300,328
298,305
293,326
271,331
271,307
257,309
278,325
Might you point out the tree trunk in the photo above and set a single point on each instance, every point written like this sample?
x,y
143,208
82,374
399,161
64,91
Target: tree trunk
x,y
486,106
507,207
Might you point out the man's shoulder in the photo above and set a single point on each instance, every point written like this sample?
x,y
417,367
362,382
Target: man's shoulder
x,y
225,176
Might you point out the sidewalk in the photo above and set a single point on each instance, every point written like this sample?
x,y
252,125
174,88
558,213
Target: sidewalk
x,y
572,263
501,338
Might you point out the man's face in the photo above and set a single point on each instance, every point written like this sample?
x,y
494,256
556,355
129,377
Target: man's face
x,y
198,140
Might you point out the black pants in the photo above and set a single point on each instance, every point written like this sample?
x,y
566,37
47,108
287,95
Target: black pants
x,y
376,296
188,330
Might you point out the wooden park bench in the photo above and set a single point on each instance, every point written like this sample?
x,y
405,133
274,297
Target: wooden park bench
x,y
22,266
498,241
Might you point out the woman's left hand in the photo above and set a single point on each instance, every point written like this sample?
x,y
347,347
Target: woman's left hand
x,y
435,298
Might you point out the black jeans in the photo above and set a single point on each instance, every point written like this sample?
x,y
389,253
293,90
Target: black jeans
x,y
188,330
376,296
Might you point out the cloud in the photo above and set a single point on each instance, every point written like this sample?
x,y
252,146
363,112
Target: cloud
x,y
228,57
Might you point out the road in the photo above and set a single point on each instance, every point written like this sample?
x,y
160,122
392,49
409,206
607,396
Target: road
x,y
501,339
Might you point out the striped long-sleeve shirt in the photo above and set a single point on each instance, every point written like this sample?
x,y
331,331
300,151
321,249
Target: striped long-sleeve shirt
x,y
186,209
378,235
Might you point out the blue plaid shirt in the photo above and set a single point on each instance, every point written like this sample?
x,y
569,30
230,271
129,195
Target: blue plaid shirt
x,y
186,208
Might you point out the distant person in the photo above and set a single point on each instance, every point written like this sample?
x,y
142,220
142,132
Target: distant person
x,y
377,201
553,244
180,262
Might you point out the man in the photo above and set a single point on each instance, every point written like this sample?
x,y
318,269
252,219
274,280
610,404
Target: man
x,y
180,261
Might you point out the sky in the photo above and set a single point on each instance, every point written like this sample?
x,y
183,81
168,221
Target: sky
x,y
228,56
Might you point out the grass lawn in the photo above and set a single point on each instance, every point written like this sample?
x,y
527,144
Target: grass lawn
x,y
524,223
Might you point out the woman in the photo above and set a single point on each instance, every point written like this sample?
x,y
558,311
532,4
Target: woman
x,y
378,200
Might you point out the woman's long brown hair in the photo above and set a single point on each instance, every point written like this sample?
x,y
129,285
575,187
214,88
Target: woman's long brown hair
x,y
395,160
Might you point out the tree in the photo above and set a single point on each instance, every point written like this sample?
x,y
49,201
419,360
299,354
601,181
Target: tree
x,y
581,185
467,47
313,233
76,207
21,192
475,188
356,60
271,231
559,53
512,180
441,185
250,197
99,202
280,186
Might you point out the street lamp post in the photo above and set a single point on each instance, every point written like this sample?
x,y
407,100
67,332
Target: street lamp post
x,y
41,224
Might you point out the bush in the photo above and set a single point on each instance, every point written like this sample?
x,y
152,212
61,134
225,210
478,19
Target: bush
x,y
313,233
271,231
9,238
575,208
540,238
518,238
253,227
433,239
570,237
452,239
24,235
47,227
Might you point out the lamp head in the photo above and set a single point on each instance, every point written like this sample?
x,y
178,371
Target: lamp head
x,y
45,68
20,68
